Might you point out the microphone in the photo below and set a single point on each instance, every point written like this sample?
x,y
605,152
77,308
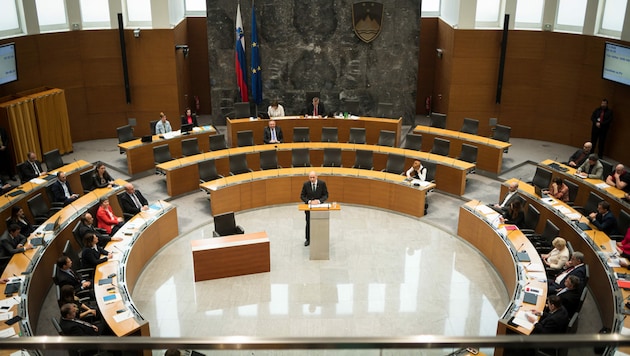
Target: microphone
x,y
28,258
519,248
116,247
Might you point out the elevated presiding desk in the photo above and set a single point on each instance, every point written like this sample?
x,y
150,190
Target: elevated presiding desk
x,y
489,151
182,175
140,154
372,126
345,185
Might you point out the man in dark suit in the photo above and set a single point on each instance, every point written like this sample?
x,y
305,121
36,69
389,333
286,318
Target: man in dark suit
x,y
604,219
61,190
314,191
32,168
503,205
580,155
574,267
316,108
570,294
132,200
601,118
13,242
553,322
87,226
273,133
66,276
71,326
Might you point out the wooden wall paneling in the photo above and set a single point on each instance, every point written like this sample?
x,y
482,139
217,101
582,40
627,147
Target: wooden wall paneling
x,y
426,61
443,65
198,59
182,67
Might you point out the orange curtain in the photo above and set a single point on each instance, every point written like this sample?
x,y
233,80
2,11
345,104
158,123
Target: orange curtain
x,y
53,121
23,125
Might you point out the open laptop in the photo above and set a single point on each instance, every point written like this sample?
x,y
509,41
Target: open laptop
x,y
53,226
186,128
146,139
539,192
263,115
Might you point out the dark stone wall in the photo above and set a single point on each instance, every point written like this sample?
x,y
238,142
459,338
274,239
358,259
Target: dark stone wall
x,y
309,45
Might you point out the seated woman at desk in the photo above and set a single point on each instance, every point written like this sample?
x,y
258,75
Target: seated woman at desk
x,y
18,218
106,218
67,296
100,177
189,118
92,252
559,190
623,246
514,214
556,259
275,109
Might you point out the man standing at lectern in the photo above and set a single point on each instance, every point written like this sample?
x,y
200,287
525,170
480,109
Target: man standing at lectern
x,y
314,191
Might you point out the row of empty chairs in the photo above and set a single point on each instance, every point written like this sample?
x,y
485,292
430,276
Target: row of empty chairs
x,y
471,126
329,134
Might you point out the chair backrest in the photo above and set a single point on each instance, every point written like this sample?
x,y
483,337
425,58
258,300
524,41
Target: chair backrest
x,y
395,163
55,271
268,159
573,190
238,164
542,178
431,168
623,222
531,218
125,133
38,207
190,146
502,133
607,168
75,233
357,135
468,153
351,107
301,134
86,181
573,324
53,160
69,252
441,146
550,232
242,110
20,168
300,157
330,134
152,124
217,142
591,203
245,138
413,142
386,138
332,157
56,325
570,248
208,171
161,154
470,126
385,110
582,296
364,159
438,120
225,224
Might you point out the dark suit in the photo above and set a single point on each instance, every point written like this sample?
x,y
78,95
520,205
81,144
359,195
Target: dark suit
x,y
97,182
578,157
91,257
320,193
606,223
600,133
77,328
267,134
66,278
103,238
552,323
9,245
321,110
28,172
570,299
579,271
59,195
184,119
128,206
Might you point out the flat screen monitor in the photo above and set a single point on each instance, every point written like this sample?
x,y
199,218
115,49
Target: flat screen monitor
x,y
186,128
8,63
616,63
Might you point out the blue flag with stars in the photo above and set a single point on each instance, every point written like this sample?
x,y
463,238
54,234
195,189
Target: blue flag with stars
x,y
255,62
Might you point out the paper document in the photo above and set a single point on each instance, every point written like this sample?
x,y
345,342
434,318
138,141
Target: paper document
x,y
322,205
9,302
520,319
535,267
563,209
123,316
539,276
171,134
573,216
8,332
602,185
6,316
37,181
484,209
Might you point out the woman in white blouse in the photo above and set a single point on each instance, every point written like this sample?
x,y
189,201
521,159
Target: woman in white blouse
x,y
275,109
557,258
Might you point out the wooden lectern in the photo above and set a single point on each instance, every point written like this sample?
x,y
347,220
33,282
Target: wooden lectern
x,y
320,229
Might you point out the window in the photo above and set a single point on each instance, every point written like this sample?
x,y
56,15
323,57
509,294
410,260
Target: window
x,y
487,14
51,15
430,7
570,15
138,13
529,13
612,17
196,6
95,13
9,19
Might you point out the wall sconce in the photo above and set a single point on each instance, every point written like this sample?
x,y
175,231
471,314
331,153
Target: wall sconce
x,y
136,33
440,52
184,49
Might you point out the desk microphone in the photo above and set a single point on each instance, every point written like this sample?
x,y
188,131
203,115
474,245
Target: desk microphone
x,y
519,248
116,247
28,258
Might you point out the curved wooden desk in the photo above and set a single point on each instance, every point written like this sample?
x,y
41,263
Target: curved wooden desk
x,y
140,154
489,151
345,185
372,125
182,175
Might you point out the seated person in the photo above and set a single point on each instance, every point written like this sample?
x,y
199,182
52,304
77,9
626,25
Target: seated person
x,y
574,267
61,190
570,294
162,126
512,194
68,296
91,254
514,214
18,218
315,108
106,218
71,326
87,226
32,167
100,177
67,276
5,187
189,118
13,242
580,155
275,109
591,168
604,219
133,201
417,171
553,322
623,246
555,260
273,133
559,190
619,178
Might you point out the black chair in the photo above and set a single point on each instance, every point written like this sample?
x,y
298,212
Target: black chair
x,y
413,142
53,160
301,134
245,138
607,168
125,134
395,164
86,181
330,134
190,147
39,209
54,205
126,216
441,146
208,171
351,107
77,264
542,242
364,159
332,157
582,297
242,110
152,126
300,157
573,191
238,164
386,138
438,120
623,223
590,206
385,110
225,225
531,220
357,135
470,126
217,142
501,133
20,168
468,153
75,233
269,160
431,168
542,178
4,261
161,154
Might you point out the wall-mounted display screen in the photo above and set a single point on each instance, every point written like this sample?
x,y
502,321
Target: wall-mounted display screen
x,y
617,63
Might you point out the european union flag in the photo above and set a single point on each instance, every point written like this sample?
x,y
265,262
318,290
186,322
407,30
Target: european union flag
x,y
255,62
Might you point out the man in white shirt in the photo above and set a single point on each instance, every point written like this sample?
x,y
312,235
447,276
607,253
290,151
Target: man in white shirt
x,y
504,204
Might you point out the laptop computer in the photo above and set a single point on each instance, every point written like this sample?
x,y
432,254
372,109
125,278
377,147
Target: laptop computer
x,y
53,226
186,128
37,241
539,192
263,115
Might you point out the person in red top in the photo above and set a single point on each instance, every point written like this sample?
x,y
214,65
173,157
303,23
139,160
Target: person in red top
x,y
624,245
106,218
559,190
189,118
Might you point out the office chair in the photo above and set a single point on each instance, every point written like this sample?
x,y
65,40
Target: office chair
x,y
386,138
330,134
301,134
190,147
77,263
161,154
542,178
53,160
470,126
217,142
351,107
438,120
413,142
242,110
332,157
125,134
152,126
238,164
395,164
542,242
126,216
357,135
441,146
573,191
51,198
208,171
502,133
20,167
607,168
75,233
623,223
269,160
86,181
431,168
39,209
385,110
364,160
300,157
591,204
532,216
245,138
468,153
225,225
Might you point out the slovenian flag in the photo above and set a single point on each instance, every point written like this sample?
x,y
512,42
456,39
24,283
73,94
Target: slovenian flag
x,y
256,69
240,62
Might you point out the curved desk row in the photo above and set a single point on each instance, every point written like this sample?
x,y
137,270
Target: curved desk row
x,y
40,261
372,126
182,175
140,154
489,151
587,185
345,185
21,194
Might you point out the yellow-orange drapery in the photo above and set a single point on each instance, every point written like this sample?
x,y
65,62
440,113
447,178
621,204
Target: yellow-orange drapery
x,y
19,116
52,119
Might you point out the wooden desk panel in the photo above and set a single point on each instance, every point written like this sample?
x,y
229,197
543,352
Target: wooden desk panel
x,y
230,256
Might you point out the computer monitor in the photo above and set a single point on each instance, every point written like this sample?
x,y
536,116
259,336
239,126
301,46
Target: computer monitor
x,y
186,128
